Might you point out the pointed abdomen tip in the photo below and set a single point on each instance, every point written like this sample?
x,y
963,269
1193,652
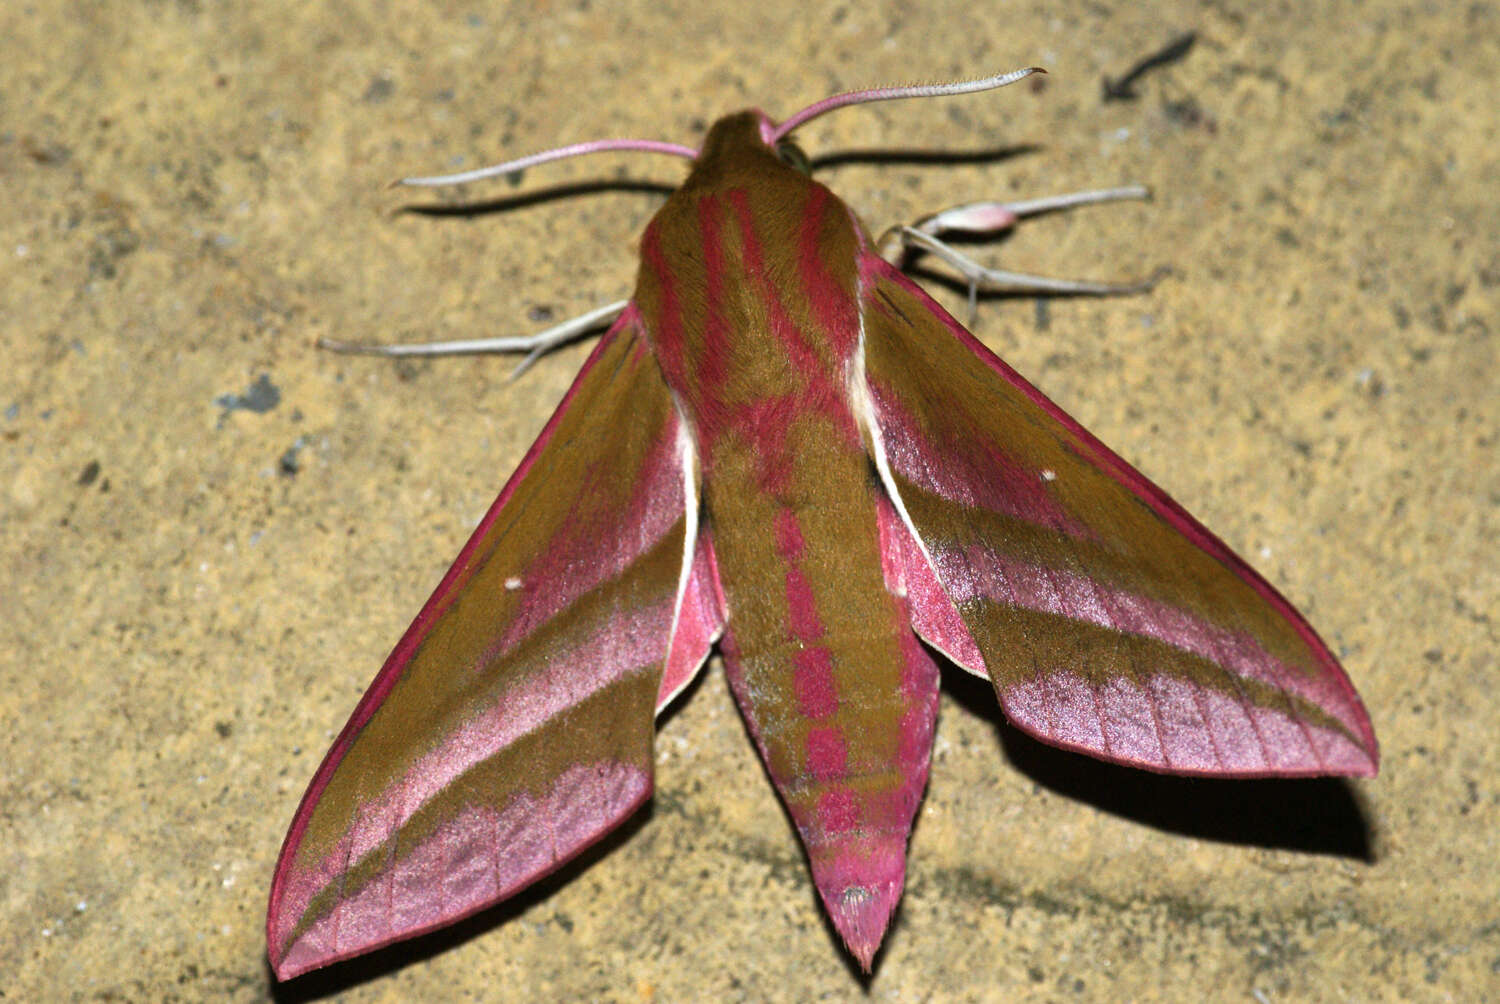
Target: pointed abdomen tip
x,y
862,914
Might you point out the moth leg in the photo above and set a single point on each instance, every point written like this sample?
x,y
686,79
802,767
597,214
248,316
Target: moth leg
x,y
535,345
997,217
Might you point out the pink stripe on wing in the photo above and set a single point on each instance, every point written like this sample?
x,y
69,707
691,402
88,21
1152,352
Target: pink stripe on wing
x,y
633,639
700,622
598,542
908,572
456,870
1065,709
982,573
975,473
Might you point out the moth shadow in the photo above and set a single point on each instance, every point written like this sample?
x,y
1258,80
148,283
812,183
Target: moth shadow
x,y
572,190
920,156
534,197
1322,815
960,287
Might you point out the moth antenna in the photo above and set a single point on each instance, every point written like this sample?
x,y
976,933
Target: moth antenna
x,y
903,91
560,153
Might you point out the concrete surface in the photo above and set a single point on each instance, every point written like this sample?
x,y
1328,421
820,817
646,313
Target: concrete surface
x,y
213,532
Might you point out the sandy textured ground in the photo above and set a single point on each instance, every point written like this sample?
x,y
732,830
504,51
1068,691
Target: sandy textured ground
x,y
213,531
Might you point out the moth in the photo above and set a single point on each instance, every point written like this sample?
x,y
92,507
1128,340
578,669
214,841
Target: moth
x,y
782,447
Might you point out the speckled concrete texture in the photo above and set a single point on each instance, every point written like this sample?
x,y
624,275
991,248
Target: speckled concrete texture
x,y
213,531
